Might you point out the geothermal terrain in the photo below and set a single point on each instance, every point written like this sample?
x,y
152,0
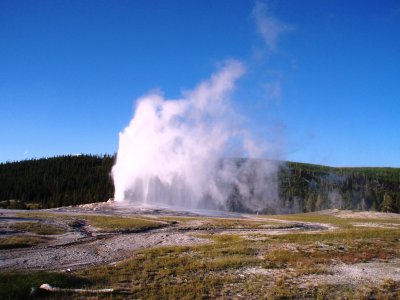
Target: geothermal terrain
x,y
108,250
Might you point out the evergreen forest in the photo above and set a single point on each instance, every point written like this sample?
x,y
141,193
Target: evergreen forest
x,y
71,180
55,182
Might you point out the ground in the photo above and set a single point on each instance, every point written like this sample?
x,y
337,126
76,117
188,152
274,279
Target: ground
x,y
163,254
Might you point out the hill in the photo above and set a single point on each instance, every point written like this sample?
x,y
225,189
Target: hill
x,y
310,187
56,181
70,180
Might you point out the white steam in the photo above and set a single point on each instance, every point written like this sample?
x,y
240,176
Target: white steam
x,y
172,152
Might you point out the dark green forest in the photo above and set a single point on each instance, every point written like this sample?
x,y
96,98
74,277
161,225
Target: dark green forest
x,y
71,180
306,188
57,181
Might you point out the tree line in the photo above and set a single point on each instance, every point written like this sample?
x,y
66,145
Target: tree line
x,y
71,180
54,182
307,188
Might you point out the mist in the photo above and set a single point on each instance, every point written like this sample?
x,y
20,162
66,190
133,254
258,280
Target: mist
x,y
188,152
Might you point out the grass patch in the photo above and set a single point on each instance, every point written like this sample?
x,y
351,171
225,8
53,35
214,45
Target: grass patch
x,y
341,222
104,223
312,218
211,270
38,228
228,223
111,224
40,215
17,285
345,236
239,224
180,219
178,272
218,269
346,246
20,242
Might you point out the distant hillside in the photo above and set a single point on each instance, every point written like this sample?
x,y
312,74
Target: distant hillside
x,y
56,181
306,187
70,180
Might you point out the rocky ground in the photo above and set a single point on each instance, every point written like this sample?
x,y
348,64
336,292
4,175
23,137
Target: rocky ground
x,y
80,244
84,246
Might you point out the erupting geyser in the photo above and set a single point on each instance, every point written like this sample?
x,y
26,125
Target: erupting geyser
x,y
172,151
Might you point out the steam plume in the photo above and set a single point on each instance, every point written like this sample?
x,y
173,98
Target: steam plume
x,y
172,151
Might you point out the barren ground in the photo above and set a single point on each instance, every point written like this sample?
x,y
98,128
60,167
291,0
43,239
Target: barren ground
x,y
141,251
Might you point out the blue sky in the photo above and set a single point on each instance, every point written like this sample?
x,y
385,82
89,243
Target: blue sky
x,y
322,81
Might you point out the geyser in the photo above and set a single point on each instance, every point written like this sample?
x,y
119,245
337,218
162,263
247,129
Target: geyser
x,y
173,152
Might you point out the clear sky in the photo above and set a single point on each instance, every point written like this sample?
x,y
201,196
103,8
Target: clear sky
x,y
322,81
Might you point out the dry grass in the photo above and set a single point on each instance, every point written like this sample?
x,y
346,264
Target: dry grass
x,y
223,223
17,285
177,272
20,241
102,222
213,270
37,228
122,224
312,218
218,269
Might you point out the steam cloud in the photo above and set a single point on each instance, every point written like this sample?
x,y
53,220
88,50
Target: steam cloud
x,y
175,152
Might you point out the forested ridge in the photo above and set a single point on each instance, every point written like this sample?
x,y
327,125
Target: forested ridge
x,y
56,181
307,187
70,180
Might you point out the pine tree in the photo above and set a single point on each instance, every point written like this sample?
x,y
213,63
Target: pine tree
x,y
387,204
